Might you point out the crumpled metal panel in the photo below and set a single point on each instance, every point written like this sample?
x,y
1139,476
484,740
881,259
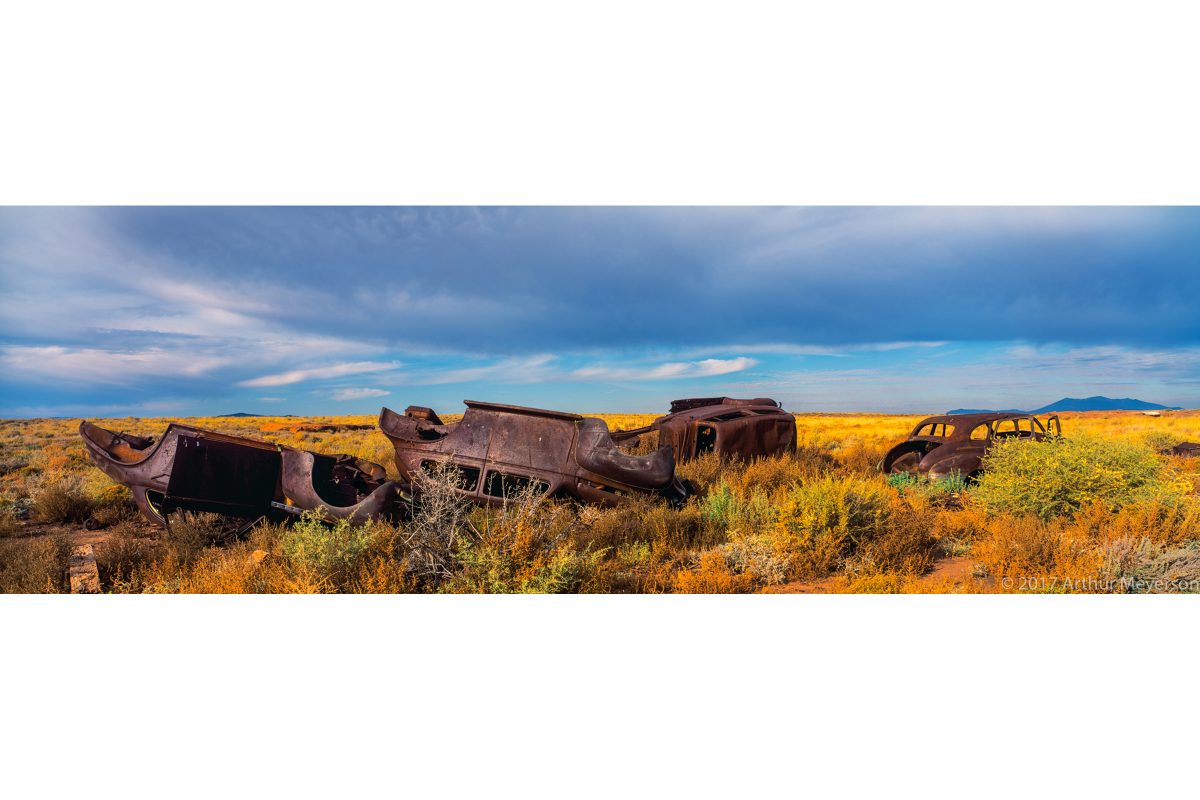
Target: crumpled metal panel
x,y
195,469
726,426
500,447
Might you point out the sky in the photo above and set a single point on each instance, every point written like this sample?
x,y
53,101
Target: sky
x,y
177,311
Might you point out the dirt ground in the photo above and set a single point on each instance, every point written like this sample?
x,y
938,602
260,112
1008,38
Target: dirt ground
x,y
77,535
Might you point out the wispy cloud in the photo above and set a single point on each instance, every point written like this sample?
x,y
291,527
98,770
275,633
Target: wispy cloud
x,y
706,368
357,394
89,364
550,369
787,349
320,373
533,369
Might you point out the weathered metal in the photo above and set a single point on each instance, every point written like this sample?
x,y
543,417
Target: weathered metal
x,y
501,449
955,444
730,428
195,469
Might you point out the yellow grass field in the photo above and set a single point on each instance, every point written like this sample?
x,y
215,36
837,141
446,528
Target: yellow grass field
x,y
822,521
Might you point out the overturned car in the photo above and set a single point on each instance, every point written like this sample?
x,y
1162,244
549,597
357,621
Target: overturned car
x,y
194,469
500,450
730,428
954,444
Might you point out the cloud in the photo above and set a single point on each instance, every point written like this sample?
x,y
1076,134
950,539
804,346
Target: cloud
x,y
91,364
152,408
706,368
534,369
204,302
319,373
782,348
1003,376
546,369
357,394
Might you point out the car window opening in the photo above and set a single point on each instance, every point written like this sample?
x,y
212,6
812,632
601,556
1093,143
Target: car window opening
x,y
504,484
465,478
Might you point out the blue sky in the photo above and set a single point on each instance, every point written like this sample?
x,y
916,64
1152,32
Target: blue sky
x,y
191,311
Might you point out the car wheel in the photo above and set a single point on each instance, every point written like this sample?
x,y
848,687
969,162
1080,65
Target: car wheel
x,y
906,463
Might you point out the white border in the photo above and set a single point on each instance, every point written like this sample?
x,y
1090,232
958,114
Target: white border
x,y
598,696
625,102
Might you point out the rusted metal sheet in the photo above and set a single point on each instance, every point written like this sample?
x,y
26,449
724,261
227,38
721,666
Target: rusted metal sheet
x,y
955,444
500,450
348,488
195,469
731,428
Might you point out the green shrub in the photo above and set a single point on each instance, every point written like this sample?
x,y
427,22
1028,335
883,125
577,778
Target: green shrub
x,y
823,521
525,546
726,507
903,481
718,505
1059,476
1158,441
330,551
938,492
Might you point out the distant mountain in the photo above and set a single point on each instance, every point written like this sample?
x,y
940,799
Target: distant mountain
x,y
1097,403
238,414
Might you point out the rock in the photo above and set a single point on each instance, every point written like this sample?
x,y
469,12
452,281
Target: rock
x,y
81,568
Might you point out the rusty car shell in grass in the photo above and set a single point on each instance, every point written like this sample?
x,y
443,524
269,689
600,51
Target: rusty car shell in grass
x,y
955,444
193,469
728,427
500,450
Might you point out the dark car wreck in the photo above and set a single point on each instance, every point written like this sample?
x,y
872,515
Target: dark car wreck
x,y
193,469
954,444
730,428
499,450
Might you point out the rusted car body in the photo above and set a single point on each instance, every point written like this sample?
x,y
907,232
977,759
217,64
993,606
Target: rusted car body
x,y
500,450
200,470
954,444
741,429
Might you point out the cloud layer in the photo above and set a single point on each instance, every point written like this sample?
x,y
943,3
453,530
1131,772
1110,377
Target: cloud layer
x,y
211,304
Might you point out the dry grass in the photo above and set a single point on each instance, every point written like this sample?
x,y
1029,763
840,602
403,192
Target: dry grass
x,y
62,500
821,520
34,566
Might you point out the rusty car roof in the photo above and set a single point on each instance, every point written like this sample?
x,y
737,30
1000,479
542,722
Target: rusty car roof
x,y
973,419
707,407
535,412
